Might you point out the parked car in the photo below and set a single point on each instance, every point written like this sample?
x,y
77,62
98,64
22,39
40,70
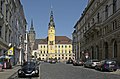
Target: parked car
x,y
29,69
91,63
78,63
53,61
70,61
110,65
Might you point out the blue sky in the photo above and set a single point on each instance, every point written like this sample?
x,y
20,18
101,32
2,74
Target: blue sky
x,y
66,13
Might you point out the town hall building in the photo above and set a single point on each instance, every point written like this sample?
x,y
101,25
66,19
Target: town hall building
x,y
56,47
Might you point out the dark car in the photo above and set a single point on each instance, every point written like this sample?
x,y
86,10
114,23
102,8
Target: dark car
x,y
78,63
91,63
29,69
110,65
70,61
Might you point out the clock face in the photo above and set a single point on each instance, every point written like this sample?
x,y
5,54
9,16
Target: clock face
x,y
50,36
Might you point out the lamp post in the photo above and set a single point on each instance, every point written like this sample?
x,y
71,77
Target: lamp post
x,y
20,47
26,47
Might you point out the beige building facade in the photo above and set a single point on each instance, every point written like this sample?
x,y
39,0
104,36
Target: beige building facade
x,y
97,32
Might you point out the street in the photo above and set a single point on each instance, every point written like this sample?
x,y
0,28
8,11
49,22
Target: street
x,y
67,71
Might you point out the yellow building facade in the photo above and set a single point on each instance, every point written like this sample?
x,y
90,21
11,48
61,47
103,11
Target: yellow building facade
x,y
56,47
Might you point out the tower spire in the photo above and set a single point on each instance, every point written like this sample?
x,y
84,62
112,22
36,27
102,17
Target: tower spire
x,y
31,23
32,28
51,23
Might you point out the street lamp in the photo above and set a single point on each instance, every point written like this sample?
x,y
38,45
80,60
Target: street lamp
x,y
20,47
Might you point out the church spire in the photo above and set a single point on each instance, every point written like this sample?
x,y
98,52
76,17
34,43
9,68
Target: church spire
x,y
51,23
32,28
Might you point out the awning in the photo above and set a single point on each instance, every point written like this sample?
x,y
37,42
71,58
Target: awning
x,y
5,57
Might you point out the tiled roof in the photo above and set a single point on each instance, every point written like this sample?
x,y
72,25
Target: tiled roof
x,y
58,40
62,40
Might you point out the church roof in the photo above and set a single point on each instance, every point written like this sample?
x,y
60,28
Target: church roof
x,y
58,40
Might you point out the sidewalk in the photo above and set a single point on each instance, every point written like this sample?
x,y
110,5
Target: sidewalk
x,y
6,73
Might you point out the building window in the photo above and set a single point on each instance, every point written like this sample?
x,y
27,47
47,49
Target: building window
x,y
98,17
114,5
1,5
0,31
6,34
69,46
114,49
9,35
55,51
93,20
51,42
65,46
59,46
106,50
114,25
106,11
69,51
66,58
58,58
65,51
7,14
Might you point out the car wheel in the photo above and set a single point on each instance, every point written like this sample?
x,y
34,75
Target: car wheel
x,y
96,68
101,69
115,70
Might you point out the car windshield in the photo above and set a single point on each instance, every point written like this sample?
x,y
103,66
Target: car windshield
x,y
29,64
95,60
111,62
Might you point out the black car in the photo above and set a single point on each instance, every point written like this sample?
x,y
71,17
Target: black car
x,y
110,65
70,61
29,69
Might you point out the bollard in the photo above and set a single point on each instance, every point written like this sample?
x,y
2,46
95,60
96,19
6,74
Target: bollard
x,y
1,67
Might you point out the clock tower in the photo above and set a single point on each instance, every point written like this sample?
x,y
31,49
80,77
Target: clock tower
x,y
51,37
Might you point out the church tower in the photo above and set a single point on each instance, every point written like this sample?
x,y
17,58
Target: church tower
x,y
32,35
51,37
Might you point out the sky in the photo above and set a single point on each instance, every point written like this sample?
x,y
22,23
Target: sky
x,y
66,14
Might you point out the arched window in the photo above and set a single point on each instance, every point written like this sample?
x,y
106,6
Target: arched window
x,y
114,49
97,52
106,50
92,52
114,5
106,11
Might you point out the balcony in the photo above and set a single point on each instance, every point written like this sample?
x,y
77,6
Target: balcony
x,y
93,29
